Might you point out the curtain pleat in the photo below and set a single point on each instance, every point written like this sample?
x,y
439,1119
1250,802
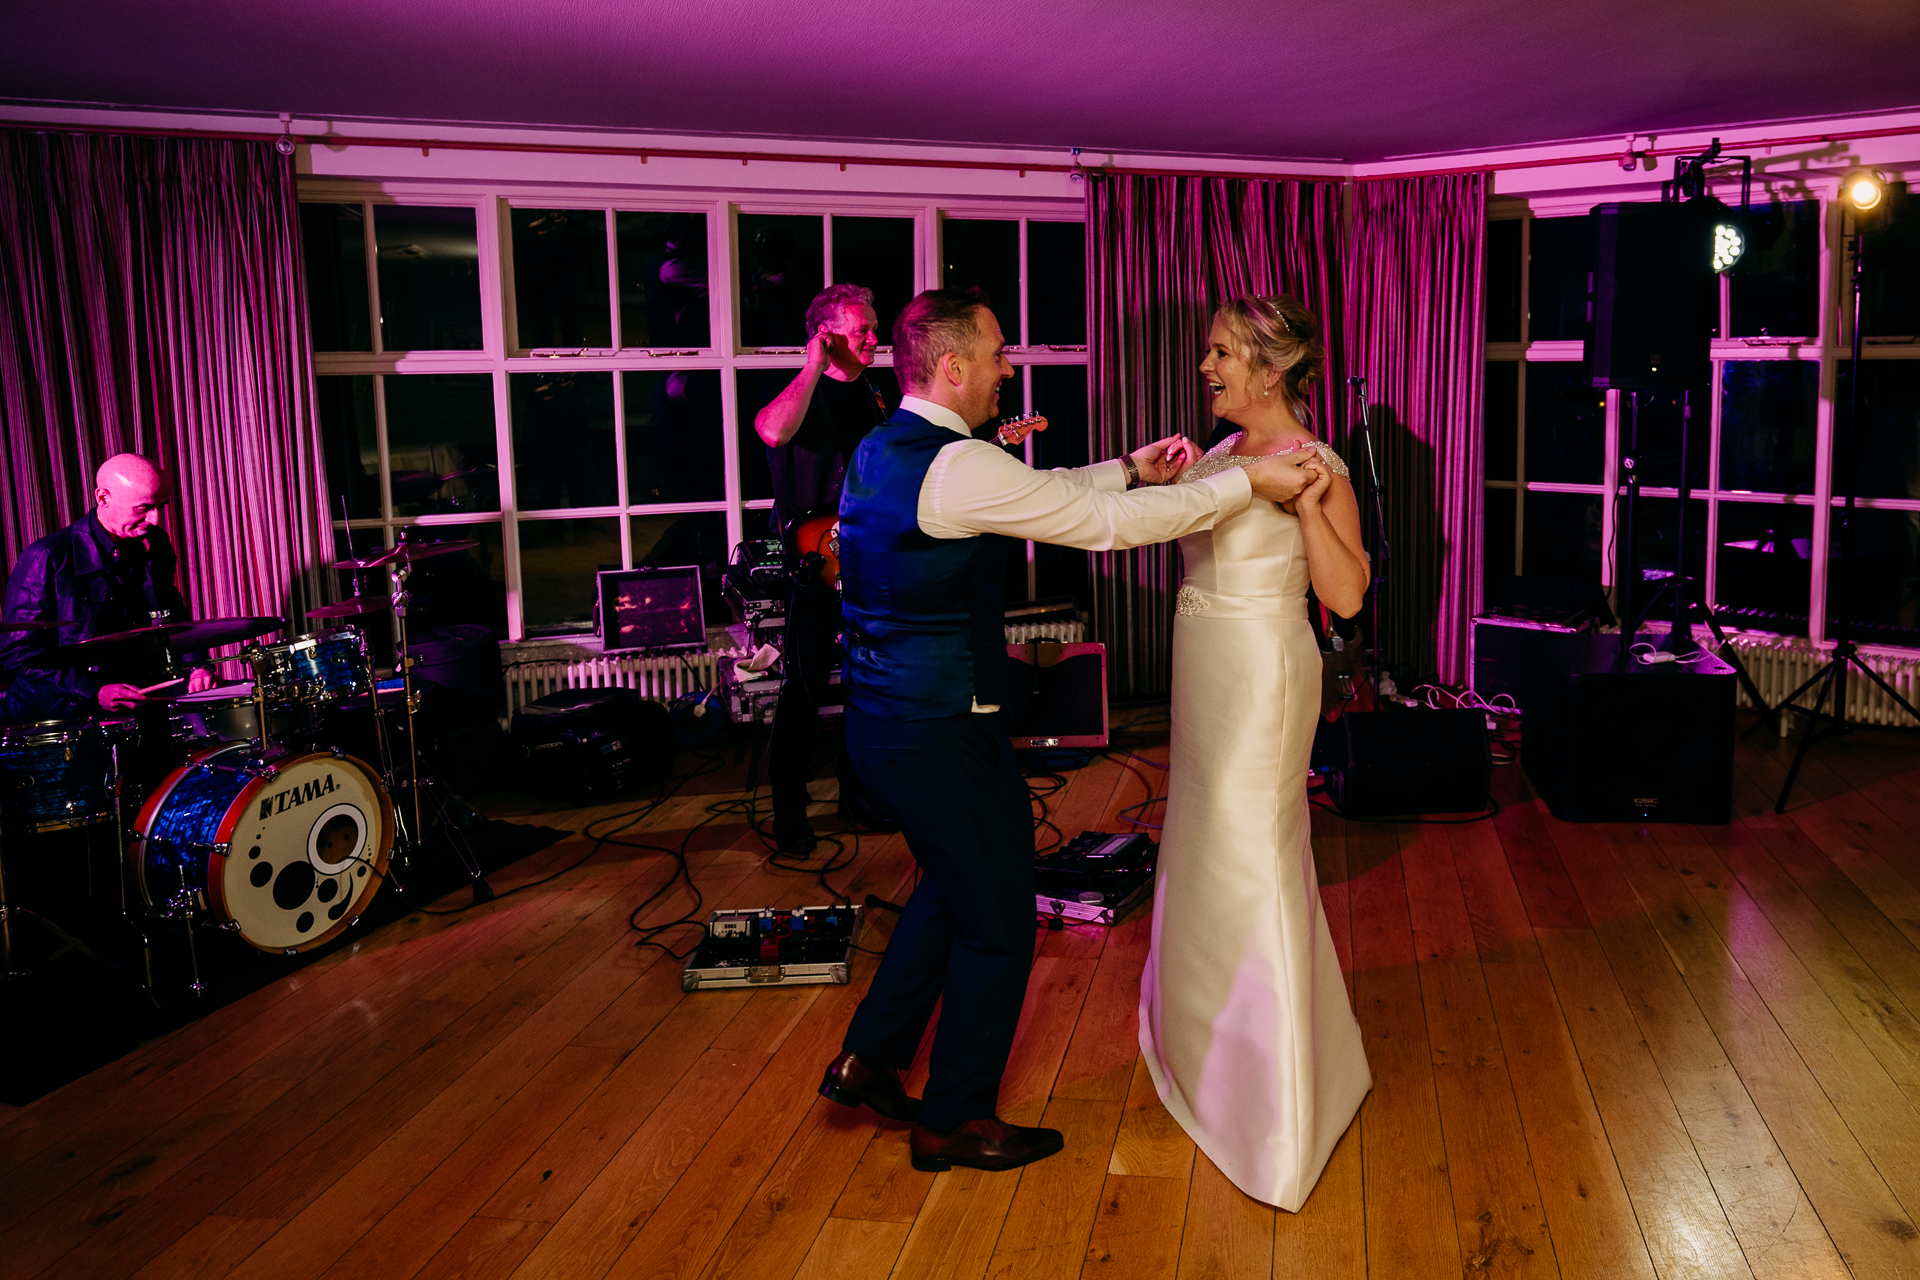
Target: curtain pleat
x,y
1415,329
1162,253
151,301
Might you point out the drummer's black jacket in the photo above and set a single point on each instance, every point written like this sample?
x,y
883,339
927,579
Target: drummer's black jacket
x,y
71,574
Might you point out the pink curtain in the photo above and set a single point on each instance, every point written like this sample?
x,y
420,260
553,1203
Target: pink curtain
x,y
1162,253
1415,328
151,301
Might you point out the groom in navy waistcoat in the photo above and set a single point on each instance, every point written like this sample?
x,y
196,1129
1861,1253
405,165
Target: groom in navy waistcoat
x,y
927,517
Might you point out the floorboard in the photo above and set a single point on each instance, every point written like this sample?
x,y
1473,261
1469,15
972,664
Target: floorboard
x,y
1609,1050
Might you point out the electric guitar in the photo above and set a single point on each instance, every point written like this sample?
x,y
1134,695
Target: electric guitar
x,y
815,539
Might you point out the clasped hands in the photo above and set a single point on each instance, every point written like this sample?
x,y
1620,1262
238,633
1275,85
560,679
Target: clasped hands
x,y
1300,478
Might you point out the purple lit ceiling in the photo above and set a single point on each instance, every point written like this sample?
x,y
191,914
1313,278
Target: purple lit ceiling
x,y
1337,80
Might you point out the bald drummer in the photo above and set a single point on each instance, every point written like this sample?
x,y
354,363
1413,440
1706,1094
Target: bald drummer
x,y
110,570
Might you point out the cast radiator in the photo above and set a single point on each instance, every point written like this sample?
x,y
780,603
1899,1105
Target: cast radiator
x,y
656,679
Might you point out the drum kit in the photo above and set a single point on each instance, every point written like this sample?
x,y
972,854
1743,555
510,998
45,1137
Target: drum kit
x,y
258,827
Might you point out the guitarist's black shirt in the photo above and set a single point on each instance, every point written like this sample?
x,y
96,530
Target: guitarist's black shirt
x,y
808,469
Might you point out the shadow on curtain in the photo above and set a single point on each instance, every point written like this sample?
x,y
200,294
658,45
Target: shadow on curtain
x,y
151,301
1162,253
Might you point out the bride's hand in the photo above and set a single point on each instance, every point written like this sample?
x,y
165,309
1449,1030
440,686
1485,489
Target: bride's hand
x,y
1163,461
1322,480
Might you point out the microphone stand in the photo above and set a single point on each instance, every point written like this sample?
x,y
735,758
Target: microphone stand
x,y
1376,506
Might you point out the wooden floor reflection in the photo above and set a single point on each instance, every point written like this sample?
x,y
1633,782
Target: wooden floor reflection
x,y
1607,1051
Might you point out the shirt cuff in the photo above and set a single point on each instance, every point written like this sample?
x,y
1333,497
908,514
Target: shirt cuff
x,y
1108,476
1232,490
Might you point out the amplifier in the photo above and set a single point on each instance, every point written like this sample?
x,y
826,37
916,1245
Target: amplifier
x,y
1606,742
1496,653
768,947
1410,762
1057,695
581,743
1096,877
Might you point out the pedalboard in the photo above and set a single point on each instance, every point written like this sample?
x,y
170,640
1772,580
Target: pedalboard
x,y
774,947
1096,877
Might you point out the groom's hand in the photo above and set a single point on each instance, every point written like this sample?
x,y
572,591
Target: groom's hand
x,y
1162,461
1278,478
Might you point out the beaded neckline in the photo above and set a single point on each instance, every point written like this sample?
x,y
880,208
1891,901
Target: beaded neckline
x,y
1221,458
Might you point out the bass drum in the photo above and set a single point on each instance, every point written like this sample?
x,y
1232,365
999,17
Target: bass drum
x,y
288,853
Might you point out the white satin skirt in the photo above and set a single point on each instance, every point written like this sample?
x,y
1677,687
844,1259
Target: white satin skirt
x,y
1244,1018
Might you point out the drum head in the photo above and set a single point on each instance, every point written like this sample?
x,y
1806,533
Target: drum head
x,y
306,851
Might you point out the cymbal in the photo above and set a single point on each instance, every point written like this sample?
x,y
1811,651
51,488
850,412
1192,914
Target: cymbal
x,y
407,552
208,634
32,624
352,608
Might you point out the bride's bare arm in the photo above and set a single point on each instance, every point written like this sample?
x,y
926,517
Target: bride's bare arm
x,y
1330,527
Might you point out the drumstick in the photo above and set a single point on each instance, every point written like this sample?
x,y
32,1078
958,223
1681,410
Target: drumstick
x,y
164,683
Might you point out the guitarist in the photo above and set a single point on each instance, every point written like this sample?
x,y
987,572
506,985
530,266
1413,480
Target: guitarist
x,y
810,430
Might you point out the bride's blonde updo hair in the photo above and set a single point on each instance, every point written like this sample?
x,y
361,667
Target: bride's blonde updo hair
x,y
1278,333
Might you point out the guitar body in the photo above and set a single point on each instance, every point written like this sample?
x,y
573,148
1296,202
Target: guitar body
x,y
815,543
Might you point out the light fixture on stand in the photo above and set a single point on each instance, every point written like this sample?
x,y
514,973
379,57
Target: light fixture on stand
x,y
1865,206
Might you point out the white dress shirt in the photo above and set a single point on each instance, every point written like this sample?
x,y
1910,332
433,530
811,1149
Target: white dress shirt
x,y
974,487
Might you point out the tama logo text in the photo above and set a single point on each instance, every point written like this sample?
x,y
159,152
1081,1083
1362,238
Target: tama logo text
x,y
285,800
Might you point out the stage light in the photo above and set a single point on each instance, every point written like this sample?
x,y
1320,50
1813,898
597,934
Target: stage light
x,y
1864,190
1729,246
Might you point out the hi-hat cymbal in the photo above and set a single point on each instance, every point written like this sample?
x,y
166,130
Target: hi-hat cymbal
x,y
352,608
208,634
32,624
407,553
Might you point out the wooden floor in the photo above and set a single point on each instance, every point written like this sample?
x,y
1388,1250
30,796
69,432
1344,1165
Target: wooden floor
x,y
1608,1051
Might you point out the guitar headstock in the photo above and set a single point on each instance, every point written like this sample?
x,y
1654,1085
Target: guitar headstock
x,y
1015,430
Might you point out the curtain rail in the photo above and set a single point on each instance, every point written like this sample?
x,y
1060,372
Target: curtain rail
x,y
425,145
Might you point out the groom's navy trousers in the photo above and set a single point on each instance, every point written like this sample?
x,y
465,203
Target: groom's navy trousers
x,y
966,936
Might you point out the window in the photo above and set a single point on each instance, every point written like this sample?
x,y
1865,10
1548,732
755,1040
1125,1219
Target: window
x,y
572,384
1765,529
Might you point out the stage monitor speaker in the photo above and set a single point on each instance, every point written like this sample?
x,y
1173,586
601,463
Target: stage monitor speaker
x,y
1057,695
1607,743
1652,305
1410,762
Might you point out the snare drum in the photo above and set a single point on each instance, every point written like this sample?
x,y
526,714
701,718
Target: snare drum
x,y
289,853
228,713
319,668
60,773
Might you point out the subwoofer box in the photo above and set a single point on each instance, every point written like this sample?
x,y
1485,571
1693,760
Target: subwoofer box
x,y
1056,695
1604,741
1410,762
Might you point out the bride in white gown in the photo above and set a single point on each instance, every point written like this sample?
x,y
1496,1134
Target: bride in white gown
x,y
1244,1018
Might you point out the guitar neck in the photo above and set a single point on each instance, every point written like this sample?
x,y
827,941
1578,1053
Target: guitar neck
x,y
1015,430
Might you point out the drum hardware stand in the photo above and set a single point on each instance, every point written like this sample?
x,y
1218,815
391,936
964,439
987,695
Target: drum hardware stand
x,y
9,972
120,836
413,840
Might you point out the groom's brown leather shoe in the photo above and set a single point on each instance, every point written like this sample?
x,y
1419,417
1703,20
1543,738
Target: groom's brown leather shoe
x,y
990,1144
852,1082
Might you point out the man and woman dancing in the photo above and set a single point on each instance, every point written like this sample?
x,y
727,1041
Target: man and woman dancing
x,y
1244,1018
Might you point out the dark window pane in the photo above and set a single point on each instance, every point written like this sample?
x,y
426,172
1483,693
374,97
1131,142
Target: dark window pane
x,y
1057,283
348,435
877,253
1497,545
333,239
1656,534
1890,289
1659,442
1060,394
429,278
675,441
559,564
780,272
1562,540
1889,440
1503,419
440,443
1566,426
464,588
663,279
1503,281
986,255
1775,289
1765,562
563,453
756,389
560,278
1560,262
1767,425
1885,578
